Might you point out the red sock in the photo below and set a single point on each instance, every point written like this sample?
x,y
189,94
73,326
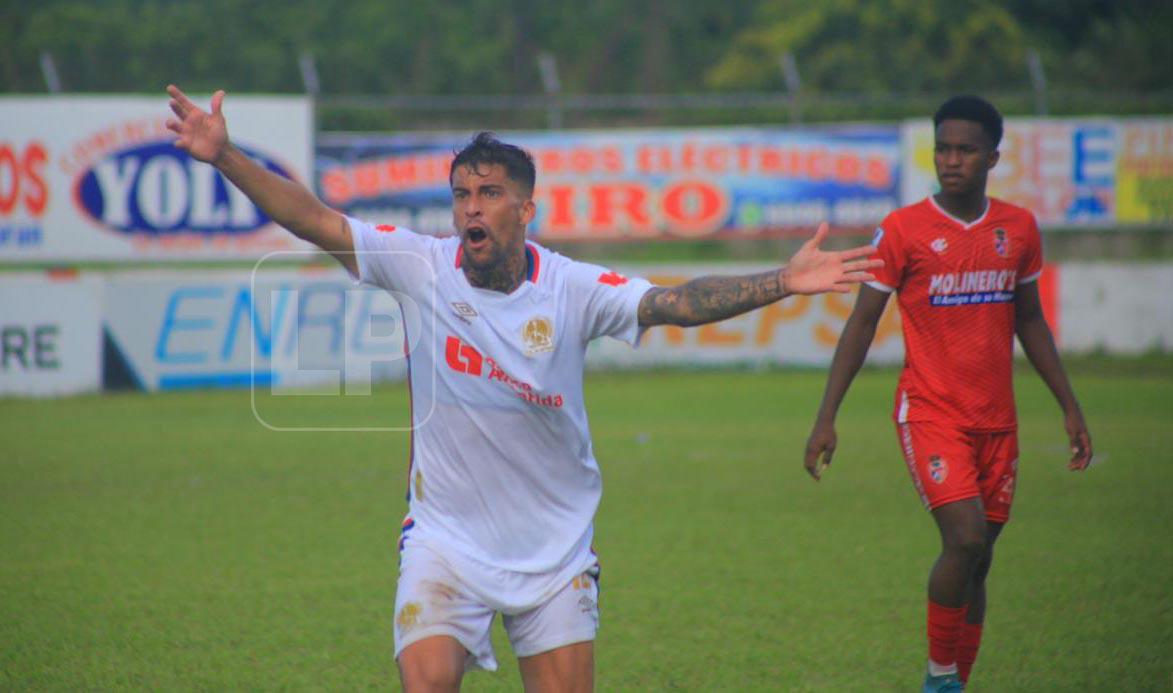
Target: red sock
x,y
967,648
944,631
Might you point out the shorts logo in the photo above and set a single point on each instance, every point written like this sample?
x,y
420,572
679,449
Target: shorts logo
x,y
538,335
939,246
1001,242
409,616
938,469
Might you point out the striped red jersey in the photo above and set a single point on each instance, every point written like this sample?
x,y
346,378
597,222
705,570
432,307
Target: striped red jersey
x,y
955,283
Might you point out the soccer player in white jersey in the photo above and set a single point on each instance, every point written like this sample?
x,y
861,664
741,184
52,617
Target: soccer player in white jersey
x,y
503,481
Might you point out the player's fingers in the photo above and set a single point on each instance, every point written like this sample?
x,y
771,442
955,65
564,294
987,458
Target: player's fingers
x,y
820,234
173,125
810,461
177,109
859,277
180,98
859,251
217,101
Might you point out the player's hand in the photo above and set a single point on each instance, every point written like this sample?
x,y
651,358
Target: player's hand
x,y
815,271
1081,441
203,135
820,444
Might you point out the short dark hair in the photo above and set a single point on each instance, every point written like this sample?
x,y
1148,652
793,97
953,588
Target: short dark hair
x,y
974,109
485,148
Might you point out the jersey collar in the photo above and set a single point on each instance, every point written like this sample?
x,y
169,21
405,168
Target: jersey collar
x,y
533,261
963,224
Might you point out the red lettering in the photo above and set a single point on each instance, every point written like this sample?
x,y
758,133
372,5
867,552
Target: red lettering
x,y
561,209
37,198
366,178
10,172
628,198
876,172
847,168
694,208
463,358
336,187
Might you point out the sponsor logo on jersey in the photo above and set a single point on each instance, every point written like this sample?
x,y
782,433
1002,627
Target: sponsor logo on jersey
x,y
939,246
152,189
878,236
1001,242
938,469
464,311
972,288
463,357
538,335
612,278
409,616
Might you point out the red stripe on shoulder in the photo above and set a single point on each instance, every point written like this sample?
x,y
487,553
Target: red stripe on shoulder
x,y
385,228
537,262
459,255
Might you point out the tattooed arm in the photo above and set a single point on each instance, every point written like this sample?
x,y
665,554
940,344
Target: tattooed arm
x,y
710,299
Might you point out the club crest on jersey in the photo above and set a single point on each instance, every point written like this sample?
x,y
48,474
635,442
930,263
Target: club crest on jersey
x,y
538,335
940,245
938,469
1001,242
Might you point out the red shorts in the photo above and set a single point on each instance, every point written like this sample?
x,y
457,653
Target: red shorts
x,y
949,464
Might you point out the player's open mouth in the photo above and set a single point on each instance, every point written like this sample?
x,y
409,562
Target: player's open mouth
x,y
475,235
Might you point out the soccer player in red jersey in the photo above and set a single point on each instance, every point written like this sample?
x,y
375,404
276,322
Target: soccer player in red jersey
x,y
964,267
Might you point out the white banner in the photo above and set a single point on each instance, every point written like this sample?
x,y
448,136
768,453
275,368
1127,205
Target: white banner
x,y
1117,308
274,330
50,334
98,178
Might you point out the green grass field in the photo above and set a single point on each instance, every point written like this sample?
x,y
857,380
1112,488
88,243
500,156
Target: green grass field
x,y
171,542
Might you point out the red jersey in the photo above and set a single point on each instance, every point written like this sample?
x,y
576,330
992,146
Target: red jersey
x,y
955,283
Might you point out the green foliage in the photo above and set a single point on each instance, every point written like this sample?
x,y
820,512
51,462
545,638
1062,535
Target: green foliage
x,y
169,542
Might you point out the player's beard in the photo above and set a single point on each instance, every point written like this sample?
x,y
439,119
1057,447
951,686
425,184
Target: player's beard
x,y
497,266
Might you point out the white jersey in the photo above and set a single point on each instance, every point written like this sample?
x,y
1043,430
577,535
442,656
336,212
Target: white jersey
x,y
502,470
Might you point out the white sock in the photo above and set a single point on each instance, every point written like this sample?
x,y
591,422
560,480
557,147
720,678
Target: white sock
x,y
941,669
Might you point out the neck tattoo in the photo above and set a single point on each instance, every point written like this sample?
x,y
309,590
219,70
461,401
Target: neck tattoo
x,y
504,276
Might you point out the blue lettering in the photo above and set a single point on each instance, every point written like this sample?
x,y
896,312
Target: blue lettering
x,y
1092,162
171,322
244,303
331,319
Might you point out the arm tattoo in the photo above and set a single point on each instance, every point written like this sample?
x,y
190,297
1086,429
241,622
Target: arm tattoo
x,y
709,299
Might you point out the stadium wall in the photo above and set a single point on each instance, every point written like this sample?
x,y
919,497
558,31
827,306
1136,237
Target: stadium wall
x,y
282,329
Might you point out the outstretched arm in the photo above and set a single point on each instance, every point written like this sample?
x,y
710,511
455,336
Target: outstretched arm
x,y
205,136
710,299
849,356
1037,342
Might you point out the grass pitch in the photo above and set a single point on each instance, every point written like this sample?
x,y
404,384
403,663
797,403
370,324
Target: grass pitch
x,y
171,542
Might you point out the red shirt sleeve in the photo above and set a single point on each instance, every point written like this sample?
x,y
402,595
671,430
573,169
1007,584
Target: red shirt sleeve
x,y
890,248
1032,260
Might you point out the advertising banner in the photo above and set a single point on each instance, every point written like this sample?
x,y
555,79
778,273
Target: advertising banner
x,y
636,184
281,329
798,331
1144,174
50,334
98,178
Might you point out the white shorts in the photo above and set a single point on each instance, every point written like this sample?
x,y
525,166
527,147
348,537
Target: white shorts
x,y
431,598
